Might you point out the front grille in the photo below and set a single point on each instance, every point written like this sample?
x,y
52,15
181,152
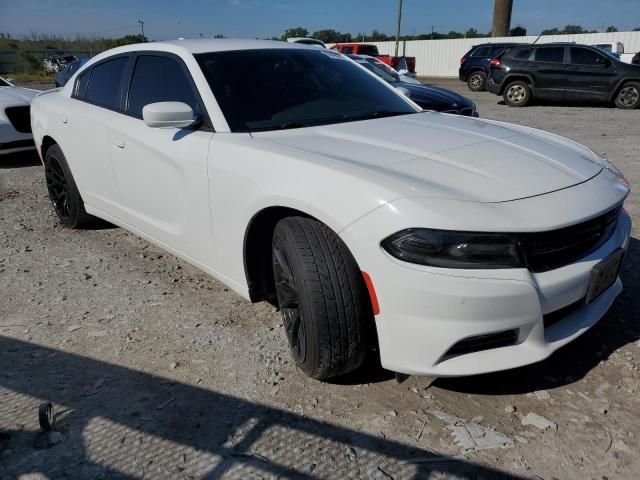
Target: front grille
x,y
19,118
549,250
488,341
554,317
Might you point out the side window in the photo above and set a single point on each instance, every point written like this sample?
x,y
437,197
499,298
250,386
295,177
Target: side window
x,y
495,51
522,54
549,54
159,79
347,50
104,83
585,56
482,52
81,84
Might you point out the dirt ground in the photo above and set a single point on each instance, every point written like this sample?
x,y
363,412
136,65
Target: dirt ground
x,y
157,371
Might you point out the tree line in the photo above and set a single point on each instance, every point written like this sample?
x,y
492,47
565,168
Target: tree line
x,y
334,36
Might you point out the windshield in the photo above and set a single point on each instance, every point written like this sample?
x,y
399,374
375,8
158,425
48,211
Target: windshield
x,y
274,89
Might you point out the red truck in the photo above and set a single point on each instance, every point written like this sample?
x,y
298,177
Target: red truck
x,y
399,63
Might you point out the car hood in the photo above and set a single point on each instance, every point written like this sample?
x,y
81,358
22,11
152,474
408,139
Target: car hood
x,y
16,96
448,156
435,98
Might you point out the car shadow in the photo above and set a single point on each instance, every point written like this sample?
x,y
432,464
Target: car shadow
x,y
19,160
122,423
618,328
560,103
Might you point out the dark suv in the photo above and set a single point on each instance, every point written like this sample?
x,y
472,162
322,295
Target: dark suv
x,y
474,65
563,71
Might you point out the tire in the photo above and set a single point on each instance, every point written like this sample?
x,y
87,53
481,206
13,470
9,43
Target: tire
x,y
63,192
517,94
477,81
322,297
628,98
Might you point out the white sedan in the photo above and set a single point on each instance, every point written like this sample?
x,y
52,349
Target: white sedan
x,y
450,245
15,124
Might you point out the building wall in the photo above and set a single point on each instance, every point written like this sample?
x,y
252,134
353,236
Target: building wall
x,y
441,58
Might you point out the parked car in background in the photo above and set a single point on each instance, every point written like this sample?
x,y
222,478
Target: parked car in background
x,y
54,63
616,49
404,65
451,245
15,122
307,41
474,65
404,77
67,71
563,71
427,96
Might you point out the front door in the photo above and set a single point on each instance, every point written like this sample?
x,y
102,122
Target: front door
x,y
161,173
590,74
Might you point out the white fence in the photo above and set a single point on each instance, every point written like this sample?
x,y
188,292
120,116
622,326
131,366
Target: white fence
x,y
441,58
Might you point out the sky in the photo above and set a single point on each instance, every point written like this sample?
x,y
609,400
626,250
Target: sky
x,y
165,19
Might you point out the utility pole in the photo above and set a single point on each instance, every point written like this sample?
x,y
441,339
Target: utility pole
x,y
501,18
398,29
141,22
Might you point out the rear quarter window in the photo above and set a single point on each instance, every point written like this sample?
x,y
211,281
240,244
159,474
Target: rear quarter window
x,y
549,54
482,52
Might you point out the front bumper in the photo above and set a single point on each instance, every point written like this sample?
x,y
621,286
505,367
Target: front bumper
x,y
426,311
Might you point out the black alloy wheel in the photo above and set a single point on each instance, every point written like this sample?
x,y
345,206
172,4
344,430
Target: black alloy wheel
x,y
289,303
57,187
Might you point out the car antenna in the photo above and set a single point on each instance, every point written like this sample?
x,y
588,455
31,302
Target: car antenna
x,y
536,40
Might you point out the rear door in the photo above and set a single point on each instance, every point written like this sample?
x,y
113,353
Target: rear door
x,y
590,74
546,66
162,173
96,99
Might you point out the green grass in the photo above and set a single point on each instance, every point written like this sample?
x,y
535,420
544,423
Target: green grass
x,y
23,77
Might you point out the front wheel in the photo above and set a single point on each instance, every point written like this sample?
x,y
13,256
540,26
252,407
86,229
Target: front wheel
x,y
628,97
517,94
322,298
477,81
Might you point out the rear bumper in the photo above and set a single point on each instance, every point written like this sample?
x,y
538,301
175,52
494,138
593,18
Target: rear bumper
x,y
492,86
16,146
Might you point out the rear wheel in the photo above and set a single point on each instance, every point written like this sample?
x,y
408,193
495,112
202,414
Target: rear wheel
x,y
628,97
63,192
517,94
322,298
477,81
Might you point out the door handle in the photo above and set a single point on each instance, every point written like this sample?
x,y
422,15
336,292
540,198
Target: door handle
x,y
118,142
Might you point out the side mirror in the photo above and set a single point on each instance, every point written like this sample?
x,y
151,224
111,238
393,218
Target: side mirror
x,y
404,71
403,91
168,115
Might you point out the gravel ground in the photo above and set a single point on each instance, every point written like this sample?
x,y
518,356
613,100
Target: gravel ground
x,y
157,371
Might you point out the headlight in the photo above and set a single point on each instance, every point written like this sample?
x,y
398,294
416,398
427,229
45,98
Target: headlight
x,y
449,249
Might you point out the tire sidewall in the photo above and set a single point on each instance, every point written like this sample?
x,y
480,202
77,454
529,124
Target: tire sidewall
x,y
73,196
527,95
483,82
313,356
620,105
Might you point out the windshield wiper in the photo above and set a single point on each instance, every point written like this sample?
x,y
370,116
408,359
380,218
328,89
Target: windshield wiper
x,y
371,115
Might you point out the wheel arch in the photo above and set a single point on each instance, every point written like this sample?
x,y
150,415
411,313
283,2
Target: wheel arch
x,y
512,78
619,86
47,142
472,70
256,250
